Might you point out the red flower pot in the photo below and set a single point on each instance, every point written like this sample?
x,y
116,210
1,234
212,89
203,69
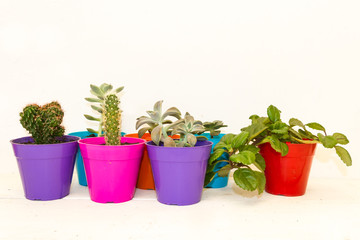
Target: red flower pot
x,y
288,175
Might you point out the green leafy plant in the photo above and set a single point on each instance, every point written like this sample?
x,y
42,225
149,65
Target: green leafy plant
x,y
109,110
43,122
237,151
157,119
213,127
160,127
272,130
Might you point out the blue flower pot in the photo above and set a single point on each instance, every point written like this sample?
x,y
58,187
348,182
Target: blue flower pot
x,y
79,160
217,182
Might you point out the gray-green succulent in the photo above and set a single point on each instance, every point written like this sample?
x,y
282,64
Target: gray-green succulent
x,y
161,128
186,128
110,114
214,127
158,120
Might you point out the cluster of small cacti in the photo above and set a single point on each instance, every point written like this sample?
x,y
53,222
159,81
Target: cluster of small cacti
x,y
43,122
110,113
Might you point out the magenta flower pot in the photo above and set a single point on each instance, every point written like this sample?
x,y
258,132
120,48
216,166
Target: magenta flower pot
x,y
111,171
46,169
179,172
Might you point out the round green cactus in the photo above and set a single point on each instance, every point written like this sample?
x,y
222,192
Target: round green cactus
x,y
43,122
112,120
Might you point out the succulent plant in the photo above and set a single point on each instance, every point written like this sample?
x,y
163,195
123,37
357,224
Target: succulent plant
x,y
237,151
158,121
110,113
213,127
186,128
272,130
43,122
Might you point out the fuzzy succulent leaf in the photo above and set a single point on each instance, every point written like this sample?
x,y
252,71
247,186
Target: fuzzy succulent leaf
x,y
169,142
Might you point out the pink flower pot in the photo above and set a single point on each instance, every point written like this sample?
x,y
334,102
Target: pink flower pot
x,y
111,171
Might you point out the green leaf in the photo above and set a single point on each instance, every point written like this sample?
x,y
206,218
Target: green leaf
x,y
260,162
246,179
279,128
93,100
239,140
119,89
107,88
91,118
90,130
251,148
295,122
273,113
220,145
255,129
261,181
245,157
316,126
228,138
276,145
209,177
224,171
253,118
344,155
96,91
327,141
96,108
215,155
341,138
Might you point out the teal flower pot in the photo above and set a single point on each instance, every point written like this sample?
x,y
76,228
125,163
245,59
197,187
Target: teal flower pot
x,y
217,182
79,159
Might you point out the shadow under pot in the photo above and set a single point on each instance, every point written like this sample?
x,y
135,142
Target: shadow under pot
x,y
111,171
179,172
288,175
46,169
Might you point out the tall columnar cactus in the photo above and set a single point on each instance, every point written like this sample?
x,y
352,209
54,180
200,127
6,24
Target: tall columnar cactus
x,y
43,122
110,118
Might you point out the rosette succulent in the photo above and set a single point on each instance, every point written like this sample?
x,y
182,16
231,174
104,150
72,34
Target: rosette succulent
x,y
214,127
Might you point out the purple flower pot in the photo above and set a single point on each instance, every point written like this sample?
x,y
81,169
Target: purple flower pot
x,y
179,172
46,169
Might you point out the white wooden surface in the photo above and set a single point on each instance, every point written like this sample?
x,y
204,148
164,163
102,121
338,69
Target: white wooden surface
x,y
329,210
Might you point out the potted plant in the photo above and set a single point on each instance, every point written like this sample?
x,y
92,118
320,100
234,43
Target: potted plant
x,y
238,153
145,178
46,159
111,162
213,134
288,150
105,88
178,165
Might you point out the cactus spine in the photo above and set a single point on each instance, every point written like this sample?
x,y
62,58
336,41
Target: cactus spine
x,y
43,122
112,120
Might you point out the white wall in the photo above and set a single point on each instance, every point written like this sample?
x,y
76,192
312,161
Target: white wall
x,y
216,59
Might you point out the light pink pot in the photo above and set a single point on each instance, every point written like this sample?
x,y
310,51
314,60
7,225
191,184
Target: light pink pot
x,y
111,171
